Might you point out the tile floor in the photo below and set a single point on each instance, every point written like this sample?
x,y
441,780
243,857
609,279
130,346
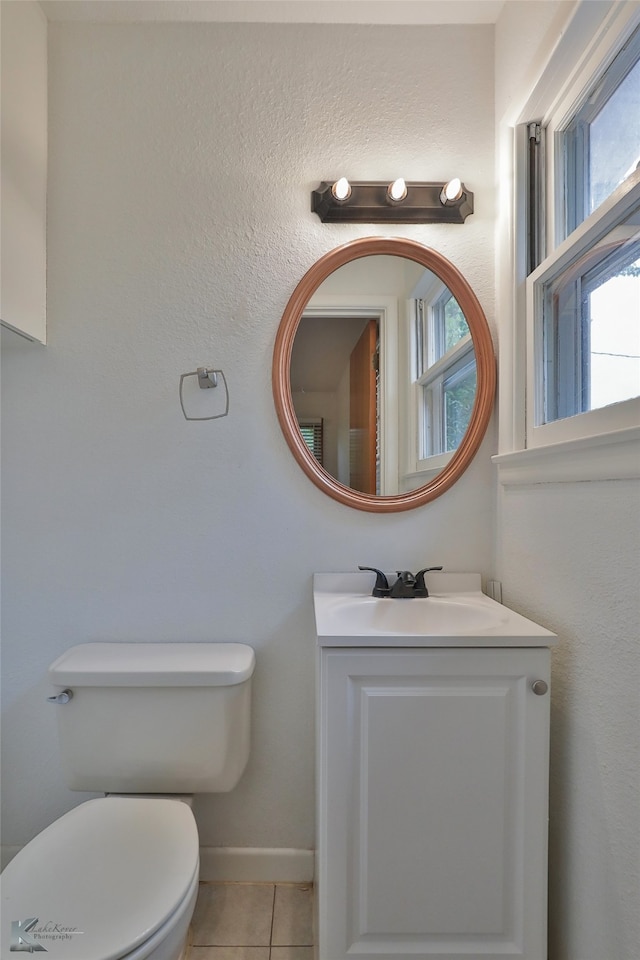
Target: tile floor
x,y
252,921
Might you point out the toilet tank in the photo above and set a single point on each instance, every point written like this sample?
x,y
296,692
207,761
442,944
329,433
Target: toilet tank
x,y
154,717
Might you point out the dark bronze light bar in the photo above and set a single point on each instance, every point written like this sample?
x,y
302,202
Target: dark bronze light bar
x,y
370,202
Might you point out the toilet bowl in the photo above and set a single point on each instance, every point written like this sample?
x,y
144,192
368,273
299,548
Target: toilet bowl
x,y
116,878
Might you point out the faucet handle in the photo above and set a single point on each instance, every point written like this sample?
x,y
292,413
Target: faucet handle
x,y
420,588
381,588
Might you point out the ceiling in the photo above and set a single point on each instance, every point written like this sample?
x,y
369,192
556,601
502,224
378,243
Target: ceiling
x,y
278,11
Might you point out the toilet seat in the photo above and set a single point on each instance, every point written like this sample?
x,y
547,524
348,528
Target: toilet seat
x,y
103,879
172,932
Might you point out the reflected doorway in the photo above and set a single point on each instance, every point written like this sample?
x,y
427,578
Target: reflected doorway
x,y
334,380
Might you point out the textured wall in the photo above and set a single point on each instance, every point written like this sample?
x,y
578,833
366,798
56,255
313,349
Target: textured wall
x,y
525,34
181,163
568,556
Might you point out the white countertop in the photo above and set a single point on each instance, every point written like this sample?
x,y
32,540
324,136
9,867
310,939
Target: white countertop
x,y
456,614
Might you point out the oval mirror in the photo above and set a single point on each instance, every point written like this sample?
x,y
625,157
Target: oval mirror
x,y
383,374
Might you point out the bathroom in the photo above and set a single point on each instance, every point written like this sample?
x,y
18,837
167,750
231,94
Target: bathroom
x,y
181,158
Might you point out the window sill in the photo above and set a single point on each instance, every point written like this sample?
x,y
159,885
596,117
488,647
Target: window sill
x,y
425,471
610,456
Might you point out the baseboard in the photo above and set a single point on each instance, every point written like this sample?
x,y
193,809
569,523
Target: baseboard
x,y
256,864
248,864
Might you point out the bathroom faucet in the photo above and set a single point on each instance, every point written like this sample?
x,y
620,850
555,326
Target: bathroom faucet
x,y
381,588
406,586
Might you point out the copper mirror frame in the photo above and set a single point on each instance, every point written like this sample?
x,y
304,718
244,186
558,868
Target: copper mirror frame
x,y
485,366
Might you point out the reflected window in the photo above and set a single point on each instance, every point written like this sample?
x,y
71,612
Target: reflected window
x,y
312,434
449,324
445,374
459,391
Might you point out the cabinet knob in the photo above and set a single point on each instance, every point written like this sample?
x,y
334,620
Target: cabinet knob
x,y
539,687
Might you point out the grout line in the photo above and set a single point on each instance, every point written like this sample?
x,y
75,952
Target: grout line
x,y
273,913
190,944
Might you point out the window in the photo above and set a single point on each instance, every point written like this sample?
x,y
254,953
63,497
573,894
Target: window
x,y
584,298
600,147
445,373
311,430
591,326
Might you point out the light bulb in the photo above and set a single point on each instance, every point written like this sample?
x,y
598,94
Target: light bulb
x,y
451,191
341,189
397,190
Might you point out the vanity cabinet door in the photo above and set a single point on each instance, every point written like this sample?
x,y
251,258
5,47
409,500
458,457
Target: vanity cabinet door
x,y
433,803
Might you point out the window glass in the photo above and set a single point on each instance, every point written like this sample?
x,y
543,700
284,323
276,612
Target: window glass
x,y
449,325
591,326
600,147
448,393
446,373
459,394
614,312
614,140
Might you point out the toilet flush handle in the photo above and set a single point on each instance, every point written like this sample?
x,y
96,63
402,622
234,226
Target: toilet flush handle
x,y
63,697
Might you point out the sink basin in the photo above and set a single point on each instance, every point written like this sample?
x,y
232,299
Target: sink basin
x,y
431,616
456,613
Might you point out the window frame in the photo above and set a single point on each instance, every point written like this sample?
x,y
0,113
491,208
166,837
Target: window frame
x,y
432,369
571,139
589,423
432,409
609,41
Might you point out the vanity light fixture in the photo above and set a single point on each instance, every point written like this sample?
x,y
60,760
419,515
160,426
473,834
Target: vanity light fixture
x,y
341,189
451,192
397,191
344,201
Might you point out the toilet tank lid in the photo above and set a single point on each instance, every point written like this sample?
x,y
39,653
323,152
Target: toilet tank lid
x,y
154,665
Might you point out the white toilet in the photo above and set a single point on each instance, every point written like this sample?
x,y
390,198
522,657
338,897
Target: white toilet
x,y
117,878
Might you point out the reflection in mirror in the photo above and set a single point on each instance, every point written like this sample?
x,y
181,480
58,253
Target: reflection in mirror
x,y
382,374
323,366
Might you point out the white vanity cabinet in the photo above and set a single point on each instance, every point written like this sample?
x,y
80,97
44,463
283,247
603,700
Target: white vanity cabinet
x,y
433,803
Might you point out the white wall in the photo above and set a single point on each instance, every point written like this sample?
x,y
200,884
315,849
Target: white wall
x,y
23,173
182,158
568,557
